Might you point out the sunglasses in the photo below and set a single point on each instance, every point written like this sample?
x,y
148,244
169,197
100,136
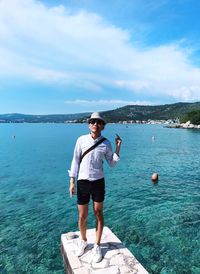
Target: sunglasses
x,y
96,121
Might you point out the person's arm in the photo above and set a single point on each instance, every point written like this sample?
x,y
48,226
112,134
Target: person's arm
x,y
113,158
73,172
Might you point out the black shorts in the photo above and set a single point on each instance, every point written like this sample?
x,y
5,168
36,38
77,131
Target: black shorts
x,y
86,188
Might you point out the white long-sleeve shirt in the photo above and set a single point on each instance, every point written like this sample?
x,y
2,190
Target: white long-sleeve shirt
x,y
91,167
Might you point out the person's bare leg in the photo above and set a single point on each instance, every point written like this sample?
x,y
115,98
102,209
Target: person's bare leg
x,y
83,214
98,211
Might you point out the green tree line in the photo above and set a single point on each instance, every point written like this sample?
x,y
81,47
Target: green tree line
x,y
193,117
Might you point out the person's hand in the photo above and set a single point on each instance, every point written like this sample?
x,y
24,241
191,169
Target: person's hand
x,y
72,190
118,140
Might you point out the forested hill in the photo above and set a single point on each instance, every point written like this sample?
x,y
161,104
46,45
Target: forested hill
x,y
126,113
51,118
159,112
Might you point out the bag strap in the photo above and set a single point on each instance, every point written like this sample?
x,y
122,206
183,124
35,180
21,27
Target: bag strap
x,y
91,148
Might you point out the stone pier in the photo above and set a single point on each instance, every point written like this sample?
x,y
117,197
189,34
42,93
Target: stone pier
x,y
117,259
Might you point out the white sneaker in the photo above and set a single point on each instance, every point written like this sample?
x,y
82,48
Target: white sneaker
x,y
81,248
97,253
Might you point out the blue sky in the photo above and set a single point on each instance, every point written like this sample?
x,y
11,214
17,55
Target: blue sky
x,y
70,56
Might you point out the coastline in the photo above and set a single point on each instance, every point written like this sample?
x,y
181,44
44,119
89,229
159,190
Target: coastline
x,y
186,125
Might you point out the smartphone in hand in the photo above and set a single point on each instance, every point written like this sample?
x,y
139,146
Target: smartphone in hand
x,y
118,137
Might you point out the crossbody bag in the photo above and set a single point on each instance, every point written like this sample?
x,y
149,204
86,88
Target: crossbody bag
x,y
91,148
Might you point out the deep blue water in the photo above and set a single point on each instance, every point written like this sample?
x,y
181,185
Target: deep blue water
x,y
159,223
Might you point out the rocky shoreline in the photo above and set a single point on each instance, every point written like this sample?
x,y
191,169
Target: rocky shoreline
x,y
186,125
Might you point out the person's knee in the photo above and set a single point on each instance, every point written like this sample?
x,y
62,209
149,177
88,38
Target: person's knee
x,y
98,213
83,217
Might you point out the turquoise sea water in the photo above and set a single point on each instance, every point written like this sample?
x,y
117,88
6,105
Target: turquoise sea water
x,y
159,223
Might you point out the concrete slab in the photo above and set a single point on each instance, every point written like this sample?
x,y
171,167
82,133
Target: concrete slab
x,y
117,259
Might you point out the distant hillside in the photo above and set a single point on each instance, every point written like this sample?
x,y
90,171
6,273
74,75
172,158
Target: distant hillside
x,y
52,118
160,112
126,113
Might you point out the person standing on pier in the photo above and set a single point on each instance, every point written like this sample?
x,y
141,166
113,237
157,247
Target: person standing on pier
x,y
87,163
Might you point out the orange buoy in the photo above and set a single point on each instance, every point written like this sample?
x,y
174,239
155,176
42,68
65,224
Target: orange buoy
x,y
154,177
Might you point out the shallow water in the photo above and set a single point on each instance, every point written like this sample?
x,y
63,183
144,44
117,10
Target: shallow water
x,y
159,223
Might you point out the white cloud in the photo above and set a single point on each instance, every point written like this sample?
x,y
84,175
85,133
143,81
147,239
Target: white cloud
x,y
100,103
54,45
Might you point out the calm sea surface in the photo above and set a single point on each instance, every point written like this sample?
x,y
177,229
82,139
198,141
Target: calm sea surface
x,y
159,223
